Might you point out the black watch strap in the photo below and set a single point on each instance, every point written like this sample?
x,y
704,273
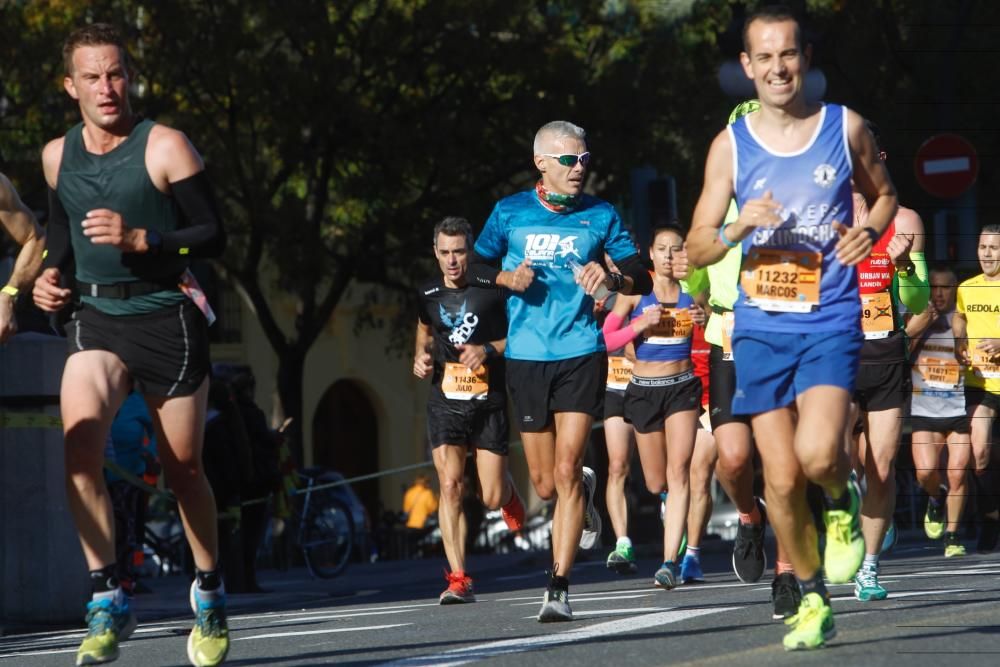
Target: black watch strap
x,y
491,352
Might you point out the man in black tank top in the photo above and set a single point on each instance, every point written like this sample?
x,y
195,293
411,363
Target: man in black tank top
x,y
19,222
130,205
460,342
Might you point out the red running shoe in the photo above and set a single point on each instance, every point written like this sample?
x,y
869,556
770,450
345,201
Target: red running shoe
x,y
459,589
513,512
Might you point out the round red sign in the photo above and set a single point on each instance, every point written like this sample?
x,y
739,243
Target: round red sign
x,y
946,165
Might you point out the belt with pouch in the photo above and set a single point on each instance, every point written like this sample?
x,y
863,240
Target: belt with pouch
x,y
127,290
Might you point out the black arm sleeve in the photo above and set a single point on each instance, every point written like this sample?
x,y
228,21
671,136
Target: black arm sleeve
x,y
633,267
58,252
203,236
483,272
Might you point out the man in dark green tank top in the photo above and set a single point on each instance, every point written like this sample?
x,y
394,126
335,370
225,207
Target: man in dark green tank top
x,y
130,206
18,221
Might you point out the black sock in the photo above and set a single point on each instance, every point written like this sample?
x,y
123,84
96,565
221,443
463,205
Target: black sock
x,y
815,585
842,503
208,581
103,580
559,583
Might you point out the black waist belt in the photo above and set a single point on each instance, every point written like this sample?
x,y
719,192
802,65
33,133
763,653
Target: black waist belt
x,y
719,310
126,290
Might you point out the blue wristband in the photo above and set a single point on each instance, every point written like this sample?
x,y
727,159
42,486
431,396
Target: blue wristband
x,y
722,237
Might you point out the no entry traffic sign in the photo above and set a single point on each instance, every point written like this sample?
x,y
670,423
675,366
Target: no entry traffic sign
x,y
946,165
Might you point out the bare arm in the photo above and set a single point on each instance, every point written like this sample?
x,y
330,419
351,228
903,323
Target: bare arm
x,y
422,362
959,328
872,180
20,223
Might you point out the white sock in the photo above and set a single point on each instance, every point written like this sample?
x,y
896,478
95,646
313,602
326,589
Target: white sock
x,y
623,542
871,562
694,552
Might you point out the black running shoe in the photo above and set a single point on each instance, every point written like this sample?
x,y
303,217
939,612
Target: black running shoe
x,y
749,561
785,595
989,531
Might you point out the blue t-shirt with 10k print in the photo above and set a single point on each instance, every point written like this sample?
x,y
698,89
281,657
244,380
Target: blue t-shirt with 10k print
x,y
553,319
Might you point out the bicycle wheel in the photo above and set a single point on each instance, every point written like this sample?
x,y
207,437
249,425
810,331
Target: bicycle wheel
x,y
327,536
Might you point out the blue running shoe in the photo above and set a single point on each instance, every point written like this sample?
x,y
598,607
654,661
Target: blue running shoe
x,y
667,576
691,570
890,539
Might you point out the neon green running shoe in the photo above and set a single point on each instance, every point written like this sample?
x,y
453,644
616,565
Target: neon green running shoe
x,y
108,624
622,560
866,586
953,548
208,642
845,546
934,520
812,626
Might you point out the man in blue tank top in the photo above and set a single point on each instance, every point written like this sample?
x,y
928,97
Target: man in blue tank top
x,y
797,332
550,240
130,205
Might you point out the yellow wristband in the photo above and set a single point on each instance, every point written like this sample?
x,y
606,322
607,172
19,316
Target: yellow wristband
x,y
9,289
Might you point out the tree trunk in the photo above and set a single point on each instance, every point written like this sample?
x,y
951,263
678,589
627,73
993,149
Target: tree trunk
x,y
291,369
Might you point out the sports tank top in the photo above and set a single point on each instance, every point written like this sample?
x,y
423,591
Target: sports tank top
x,y
880,320
670,340
796,283
117,180
938,381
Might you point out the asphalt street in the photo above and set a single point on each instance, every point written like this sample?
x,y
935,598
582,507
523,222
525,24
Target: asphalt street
x,y
940,612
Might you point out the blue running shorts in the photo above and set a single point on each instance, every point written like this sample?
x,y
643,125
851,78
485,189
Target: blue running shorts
x,y
772,369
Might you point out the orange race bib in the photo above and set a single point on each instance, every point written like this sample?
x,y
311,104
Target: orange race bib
x,y
728,323
619,372
982,365
459,383
939,373
876,315
784,281
675,327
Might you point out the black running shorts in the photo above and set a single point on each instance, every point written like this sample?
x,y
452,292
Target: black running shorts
x,y
540,388
882,386
614,403
479,424
944,425
721,387
649,401
979,396
166,351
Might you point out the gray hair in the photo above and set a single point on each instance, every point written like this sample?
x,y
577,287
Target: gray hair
x,y
558,129
455,226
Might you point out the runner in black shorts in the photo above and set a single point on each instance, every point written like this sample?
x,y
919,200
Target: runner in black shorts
x,y
461,337
895,273
549,242
938,413
130,204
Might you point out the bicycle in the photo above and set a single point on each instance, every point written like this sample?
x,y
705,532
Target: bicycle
x,y
325,529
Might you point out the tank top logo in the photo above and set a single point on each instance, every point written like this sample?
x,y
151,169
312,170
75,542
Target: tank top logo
x,y
824,175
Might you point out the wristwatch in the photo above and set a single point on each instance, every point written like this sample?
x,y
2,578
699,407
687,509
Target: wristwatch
x,y
490,351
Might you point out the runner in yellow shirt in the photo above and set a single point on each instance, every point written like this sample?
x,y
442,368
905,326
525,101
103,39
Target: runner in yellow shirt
x,y
976,326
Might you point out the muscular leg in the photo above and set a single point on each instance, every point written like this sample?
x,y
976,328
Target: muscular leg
x,y
878,455
785,490
449,460
959,457
735,467
494,480
618,436
180,429
819,444
702,464
926,449
982,440
94,385
572,431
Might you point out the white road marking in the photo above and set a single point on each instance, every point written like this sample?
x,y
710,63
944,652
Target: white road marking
x,y
893,595
522,644
328,617
605,598
302,633
614,612
314,612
